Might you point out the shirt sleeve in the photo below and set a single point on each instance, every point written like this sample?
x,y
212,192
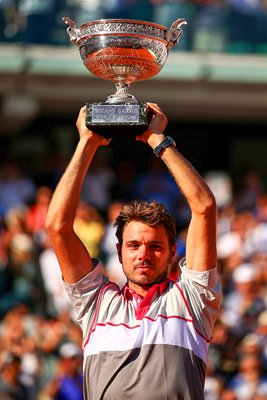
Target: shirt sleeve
x,y
203,294
84,294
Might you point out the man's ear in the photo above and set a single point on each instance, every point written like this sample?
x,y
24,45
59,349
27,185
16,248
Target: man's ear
x,y
119,252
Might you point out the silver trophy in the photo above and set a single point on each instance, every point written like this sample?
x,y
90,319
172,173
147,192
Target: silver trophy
x,y
123,51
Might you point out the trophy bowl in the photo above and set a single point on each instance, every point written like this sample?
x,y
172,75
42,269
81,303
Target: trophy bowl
x,y
123,51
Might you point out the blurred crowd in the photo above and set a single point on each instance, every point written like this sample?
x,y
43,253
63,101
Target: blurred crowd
x,y
40,342
234,26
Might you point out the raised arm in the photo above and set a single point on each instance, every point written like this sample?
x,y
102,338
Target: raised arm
x,y
74,259
201,237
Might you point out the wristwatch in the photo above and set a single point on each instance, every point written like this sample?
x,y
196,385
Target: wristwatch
x,y
168,141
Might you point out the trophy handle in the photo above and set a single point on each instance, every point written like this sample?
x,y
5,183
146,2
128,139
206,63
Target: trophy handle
x,y
72,30
175,32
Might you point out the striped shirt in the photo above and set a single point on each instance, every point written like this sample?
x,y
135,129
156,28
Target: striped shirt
x,y
152,348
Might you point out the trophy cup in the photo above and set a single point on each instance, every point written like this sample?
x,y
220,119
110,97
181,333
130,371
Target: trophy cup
x,y
123,51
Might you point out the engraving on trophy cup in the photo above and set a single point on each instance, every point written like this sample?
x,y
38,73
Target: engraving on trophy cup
x,y
123,51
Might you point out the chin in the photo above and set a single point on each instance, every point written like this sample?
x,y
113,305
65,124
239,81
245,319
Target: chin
x,y
141,280
145,280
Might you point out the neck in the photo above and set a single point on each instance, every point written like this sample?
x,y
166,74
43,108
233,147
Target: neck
x,y
141,290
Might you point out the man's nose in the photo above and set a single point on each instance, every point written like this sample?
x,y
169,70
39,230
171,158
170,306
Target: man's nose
x,y
143,252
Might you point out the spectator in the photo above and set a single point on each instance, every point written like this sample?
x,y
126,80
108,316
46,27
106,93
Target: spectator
x,y
250,381
16,340
261,334
57,300
36,214
250,344
244,303
108,246
157,184
10,386
228,394
102,178
67,384
16,190
13,225
222,352
261,208
251,187
125,176
26,284
89,226
30,371
213,384
235,244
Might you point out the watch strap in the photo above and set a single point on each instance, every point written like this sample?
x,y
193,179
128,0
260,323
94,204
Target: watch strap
x,y
168,141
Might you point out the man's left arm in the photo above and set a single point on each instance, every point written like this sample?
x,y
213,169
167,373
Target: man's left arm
x,y
201,237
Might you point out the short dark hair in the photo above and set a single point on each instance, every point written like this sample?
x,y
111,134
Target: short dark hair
x,y
150,213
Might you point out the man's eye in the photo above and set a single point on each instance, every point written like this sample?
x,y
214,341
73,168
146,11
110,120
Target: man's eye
x,y
156,247
133,245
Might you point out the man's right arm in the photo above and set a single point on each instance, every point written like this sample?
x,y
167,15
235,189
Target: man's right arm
x,y
74,259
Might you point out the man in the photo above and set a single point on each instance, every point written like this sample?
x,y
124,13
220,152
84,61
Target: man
x,y
150,339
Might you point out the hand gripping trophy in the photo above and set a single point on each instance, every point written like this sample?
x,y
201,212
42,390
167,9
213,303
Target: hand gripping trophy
x,y
123,51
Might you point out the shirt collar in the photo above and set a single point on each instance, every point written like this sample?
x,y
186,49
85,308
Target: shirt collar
x,y
159,288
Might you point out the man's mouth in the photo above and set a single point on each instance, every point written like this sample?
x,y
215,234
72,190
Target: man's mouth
x,y
144,266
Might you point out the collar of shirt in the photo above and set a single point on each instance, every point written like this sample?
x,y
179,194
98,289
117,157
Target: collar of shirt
x,y
142,304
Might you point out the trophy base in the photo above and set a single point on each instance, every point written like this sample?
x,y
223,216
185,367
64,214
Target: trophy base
x,y
117,120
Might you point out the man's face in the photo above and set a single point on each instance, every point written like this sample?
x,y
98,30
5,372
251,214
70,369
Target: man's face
x,y
145,255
